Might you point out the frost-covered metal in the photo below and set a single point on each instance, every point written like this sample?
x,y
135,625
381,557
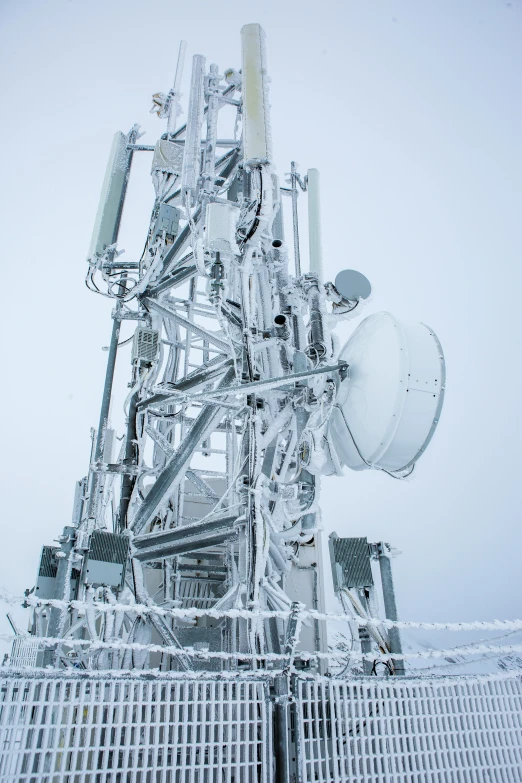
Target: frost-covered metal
x,y
63,729
195,547
58,729
410,731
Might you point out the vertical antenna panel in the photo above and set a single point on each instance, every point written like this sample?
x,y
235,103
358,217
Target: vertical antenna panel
x,y
314,223
191,160
256,129
105,229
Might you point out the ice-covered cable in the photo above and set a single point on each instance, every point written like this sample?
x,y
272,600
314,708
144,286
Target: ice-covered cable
x,y
194,612
303,656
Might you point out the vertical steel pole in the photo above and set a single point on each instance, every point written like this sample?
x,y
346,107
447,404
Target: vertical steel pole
x,y
174,93
128,481
67,542
104,415
390,607
295,220
314,224
366,649
113,349
282,701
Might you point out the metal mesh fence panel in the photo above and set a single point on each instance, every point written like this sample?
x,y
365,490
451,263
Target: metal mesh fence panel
x,y
134,730
408,730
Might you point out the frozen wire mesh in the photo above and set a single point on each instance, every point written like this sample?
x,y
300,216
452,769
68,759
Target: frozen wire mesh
x,y
58,729
409,731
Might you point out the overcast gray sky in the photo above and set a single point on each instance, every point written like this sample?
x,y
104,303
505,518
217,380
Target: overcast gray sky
x,y
411,110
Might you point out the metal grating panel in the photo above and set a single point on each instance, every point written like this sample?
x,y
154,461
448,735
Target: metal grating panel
x,y
110,730
24,651
353,556
410,731
48,564
145,345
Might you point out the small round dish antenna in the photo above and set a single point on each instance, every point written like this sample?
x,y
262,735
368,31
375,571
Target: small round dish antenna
x,y
388,406
353,285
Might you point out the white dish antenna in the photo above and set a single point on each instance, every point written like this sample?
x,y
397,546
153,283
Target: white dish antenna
x,y
353,285
389,404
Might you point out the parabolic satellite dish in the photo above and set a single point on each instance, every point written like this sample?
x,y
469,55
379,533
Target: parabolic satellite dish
x,y
389,404
353,285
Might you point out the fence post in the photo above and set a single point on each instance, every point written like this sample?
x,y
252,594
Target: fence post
x,y
285,766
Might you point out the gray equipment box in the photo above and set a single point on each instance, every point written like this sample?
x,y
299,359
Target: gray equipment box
x,y
106,559
46,579
351,565
145,345
168,221
168,157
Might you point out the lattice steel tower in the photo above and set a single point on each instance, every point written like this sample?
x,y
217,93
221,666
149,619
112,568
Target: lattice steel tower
x,y
240,399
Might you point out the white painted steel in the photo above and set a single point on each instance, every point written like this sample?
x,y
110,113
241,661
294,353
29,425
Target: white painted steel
x,y
409,731
60,729
389,405
256,128
314,223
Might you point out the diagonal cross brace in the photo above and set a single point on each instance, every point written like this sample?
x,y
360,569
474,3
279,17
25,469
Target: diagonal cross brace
x,y
188,325
173,471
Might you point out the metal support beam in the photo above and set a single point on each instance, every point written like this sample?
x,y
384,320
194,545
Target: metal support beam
x,y
173,470
390,606
185,539
213,369
188,325
273,383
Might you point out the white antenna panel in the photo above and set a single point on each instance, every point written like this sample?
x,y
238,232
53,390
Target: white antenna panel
x,y
105,226
256,128
389,404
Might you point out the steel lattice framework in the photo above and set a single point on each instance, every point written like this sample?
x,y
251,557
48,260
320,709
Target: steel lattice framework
x,y
195,550
212,500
